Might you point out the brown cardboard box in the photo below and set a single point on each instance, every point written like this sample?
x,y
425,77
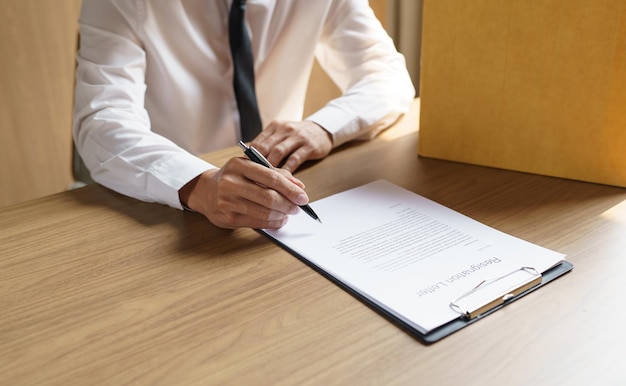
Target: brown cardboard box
x,y
535,86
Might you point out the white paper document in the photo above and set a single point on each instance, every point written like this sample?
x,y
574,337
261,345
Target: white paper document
x,y
405,253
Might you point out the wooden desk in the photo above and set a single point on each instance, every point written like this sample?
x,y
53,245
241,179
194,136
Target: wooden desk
x,y
99,288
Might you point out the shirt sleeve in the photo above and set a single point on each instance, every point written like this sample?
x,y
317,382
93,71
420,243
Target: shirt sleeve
x,y
360,57
111,127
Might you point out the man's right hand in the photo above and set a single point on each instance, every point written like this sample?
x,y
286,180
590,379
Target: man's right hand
x,y
245,194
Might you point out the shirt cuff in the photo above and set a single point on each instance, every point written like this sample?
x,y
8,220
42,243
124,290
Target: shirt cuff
x,y
341,125
169,176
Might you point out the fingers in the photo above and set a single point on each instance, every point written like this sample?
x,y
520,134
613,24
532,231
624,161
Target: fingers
x,y
277,141
291,177
290,144
235,212
281,185
245,194
298,157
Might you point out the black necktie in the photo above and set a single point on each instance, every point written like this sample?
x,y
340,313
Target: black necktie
x,y
243,77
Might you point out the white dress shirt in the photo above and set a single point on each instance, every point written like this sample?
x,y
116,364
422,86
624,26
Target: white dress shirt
x,y
154,82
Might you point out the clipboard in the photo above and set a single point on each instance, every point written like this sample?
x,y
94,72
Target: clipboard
x,y
467,316
376,257
470,316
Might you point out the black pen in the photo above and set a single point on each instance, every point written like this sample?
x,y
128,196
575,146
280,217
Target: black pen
x,y
258,158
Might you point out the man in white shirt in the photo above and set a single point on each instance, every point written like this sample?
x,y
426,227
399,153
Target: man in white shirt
x,y
154,89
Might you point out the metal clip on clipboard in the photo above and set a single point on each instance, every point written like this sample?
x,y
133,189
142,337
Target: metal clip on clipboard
x,y
493,292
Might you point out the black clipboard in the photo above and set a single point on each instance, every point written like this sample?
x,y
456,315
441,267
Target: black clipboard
x,y
470,317
466,317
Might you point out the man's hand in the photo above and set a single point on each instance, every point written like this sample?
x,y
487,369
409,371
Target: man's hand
x,y
289,144
245,194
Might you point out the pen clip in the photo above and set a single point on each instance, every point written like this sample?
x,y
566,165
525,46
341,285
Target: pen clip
x,y
243,146
255,155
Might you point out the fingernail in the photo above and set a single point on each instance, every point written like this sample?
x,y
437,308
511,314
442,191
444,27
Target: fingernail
x,y
302,199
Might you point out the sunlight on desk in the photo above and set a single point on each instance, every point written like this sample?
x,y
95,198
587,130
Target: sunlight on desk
x,y
407,124
98,288
616,213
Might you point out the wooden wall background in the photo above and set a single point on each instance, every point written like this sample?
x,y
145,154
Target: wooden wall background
x,y
37,45
37,60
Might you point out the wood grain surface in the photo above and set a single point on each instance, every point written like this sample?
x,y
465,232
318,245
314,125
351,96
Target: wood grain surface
x,y
98,288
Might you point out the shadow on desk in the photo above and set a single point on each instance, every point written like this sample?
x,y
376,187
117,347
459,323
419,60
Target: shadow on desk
x,y
522,204
188,232
514,201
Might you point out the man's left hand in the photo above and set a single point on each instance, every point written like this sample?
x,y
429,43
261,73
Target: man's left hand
x,y
290,144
